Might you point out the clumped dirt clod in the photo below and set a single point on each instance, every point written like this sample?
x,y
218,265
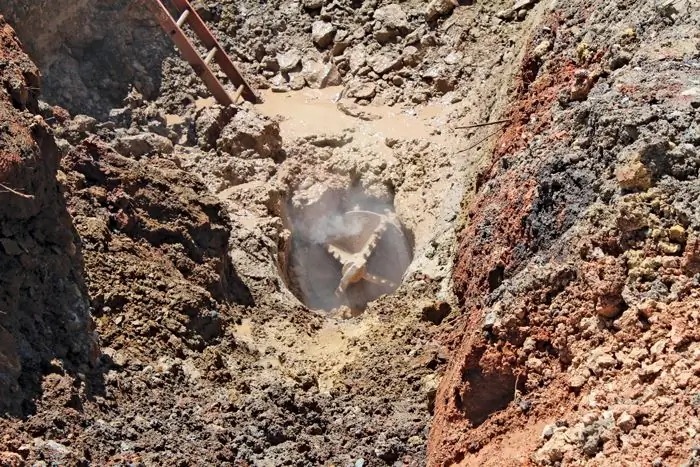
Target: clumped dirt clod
x,y
537,297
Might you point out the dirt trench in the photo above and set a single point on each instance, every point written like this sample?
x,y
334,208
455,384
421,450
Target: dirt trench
x,y
550,260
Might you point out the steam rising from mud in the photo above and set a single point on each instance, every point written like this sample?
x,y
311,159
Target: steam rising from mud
x,y
333,223
314,273
333,226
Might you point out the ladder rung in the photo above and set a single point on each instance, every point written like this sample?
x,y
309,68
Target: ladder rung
x,y
238,94
200,63
183,18
210,55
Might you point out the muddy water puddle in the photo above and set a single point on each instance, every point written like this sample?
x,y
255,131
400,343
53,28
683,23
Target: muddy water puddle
x,y
318,111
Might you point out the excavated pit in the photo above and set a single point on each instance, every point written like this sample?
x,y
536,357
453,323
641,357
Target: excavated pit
x,y
91,53
314,191
329,237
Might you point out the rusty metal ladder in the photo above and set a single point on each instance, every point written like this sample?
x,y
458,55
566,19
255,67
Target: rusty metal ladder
x,y
173,27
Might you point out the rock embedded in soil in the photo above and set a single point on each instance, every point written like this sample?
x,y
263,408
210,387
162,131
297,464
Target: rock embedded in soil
x,y
393,22
289,60
322,33
438,8
383,63
362,90
357,58
392,16
319,75
143,144
633,175
313,4
296,81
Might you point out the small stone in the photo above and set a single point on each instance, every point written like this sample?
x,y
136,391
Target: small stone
x,y
319,75
143,144
506,15
589,418
677,234
415,441
296,81
679,333
619,59
383,63
322,33
529,345
633,176
313,4
525,405
354,111
209,123
534,364
606,361
437,8
542,48
82,124
638,354
651,370
419,97
552,451
581,86
658,348
392,16
384,35
11,247
289,60
410,56
121,116
577,381
360,463
391,141
669,248
626,422
327,140
489,321
434,72
279,84
397,80
339,47
453,58
362,91
548,431
53,451
357,59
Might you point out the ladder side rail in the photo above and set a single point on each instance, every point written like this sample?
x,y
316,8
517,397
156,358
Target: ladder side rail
x,y
222,58
189,52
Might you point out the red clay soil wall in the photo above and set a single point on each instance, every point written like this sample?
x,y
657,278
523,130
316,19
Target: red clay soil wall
x,y
578,268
